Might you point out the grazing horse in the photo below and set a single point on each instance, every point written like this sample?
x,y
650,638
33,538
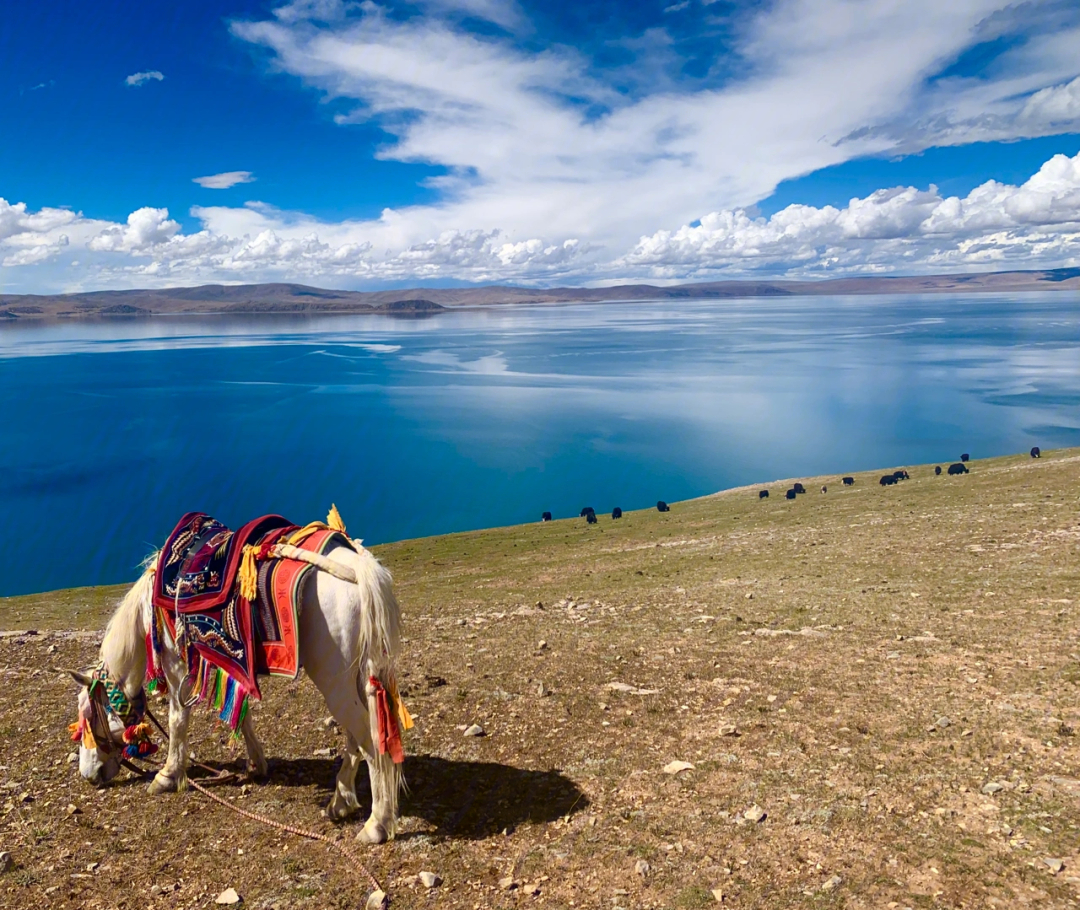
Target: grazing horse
x,y
348,639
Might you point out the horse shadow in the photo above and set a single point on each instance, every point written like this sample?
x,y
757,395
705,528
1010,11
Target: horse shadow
x,y
458,799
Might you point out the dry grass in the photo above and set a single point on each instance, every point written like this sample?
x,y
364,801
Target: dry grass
x,y
833,632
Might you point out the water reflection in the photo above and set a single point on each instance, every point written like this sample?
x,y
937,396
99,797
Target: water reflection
x,y
485,417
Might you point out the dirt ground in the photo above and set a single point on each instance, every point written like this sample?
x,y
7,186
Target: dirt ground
x,y
876,689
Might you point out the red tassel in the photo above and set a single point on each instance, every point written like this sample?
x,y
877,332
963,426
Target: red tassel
x,y
389,734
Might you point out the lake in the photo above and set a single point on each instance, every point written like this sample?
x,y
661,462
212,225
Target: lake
x,y
476,418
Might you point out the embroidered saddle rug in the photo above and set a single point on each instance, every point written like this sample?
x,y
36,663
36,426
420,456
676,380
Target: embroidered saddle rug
x,y
228,639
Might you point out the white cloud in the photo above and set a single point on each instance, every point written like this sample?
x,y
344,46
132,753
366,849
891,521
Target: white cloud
x,y
555,171
995,225
224,180
146,228
136,79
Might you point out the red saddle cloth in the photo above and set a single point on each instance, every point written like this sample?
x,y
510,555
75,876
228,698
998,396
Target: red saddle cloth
x,y
198,578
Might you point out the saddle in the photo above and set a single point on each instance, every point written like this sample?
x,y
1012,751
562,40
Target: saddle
x,y
231,606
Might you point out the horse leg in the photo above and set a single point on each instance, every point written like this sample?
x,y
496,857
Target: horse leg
x,y
174,775
257,765
350,713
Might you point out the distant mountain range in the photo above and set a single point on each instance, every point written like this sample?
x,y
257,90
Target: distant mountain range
x,y
297,298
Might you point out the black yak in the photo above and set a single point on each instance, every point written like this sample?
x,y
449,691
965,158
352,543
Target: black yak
x,y
958,468
791,494
887,480
965,457
1035,453
616,512
937,469
798,488
546,516
588,510
764,494
849,481
590,518
662,506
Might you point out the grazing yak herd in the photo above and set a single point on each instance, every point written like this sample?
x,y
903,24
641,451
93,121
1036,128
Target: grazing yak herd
x,y
887,480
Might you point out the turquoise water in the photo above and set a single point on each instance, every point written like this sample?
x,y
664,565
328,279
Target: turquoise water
x,y
470,419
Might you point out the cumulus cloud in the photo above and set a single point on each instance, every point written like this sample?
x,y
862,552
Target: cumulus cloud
x,y
901,228
146,228
137,79
224,180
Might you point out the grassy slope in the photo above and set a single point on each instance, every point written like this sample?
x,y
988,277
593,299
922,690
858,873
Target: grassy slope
x,y
939,598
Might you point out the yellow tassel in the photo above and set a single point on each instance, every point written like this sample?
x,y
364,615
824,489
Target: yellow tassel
x,y
249,574
334,520
404,717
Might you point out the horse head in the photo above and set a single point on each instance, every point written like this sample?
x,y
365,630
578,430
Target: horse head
x,y
98,731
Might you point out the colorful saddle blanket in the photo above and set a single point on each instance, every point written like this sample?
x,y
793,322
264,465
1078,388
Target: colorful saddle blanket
x,y
228,640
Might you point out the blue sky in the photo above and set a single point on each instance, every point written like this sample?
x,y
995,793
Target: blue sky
x,y
382,144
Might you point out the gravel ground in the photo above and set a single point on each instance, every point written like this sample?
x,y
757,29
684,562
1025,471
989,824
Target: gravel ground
x,y
869,697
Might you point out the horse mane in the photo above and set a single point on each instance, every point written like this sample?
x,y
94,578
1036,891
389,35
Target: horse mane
x,y
123,649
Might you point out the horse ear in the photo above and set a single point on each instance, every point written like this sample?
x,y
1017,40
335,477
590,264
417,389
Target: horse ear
x,y
83,679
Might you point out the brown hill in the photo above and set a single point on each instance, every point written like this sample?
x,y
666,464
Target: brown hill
x,y
298,298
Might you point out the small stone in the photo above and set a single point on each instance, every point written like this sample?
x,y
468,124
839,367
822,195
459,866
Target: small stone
x,y
754,814
377,900
541,645
729,730
991,788
93,867
72,809
532,889
508,883
641,867
474,730
542,691
6,861
72,757
329,723
832,884
430,880
1054,865
228,897
323,753
675,767
749,595
942,722
718,894
155,889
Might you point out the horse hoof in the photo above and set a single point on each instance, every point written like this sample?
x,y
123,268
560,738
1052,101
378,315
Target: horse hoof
x,y
372,833
161,783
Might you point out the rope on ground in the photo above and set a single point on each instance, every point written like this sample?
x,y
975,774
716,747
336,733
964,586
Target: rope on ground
x,y
300,832
382,904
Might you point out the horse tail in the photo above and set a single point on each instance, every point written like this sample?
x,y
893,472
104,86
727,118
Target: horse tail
x,y
380,643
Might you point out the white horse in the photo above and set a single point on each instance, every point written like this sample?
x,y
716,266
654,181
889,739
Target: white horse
x,y
348,633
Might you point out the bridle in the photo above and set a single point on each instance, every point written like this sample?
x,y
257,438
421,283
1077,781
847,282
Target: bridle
x,y
107,697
